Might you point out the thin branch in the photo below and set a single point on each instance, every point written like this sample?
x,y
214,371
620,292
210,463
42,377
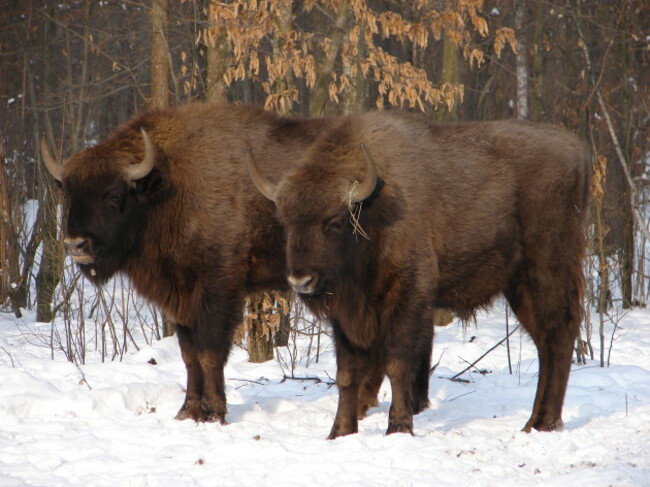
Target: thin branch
x,y
435,366
508,342
13,365
473,364
83,376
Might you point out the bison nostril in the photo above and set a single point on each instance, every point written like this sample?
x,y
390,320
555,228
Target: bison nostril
x,y
77,245
302,283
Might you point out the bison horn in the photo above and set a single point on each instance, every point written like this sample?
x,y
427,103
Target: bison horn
x,y
143,168
263,185
53,167
369,183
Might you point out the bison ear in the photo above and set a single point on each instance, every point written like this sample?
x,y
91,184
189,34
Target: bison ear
x,y
375,194
369,184
390,208
152,186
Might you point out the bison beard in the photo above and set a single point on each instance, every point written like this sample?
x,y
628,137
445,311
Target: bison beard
x,y
454,215
166,200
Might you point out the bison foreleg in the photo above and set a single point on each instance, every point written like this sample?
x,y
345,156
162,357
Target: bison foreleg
x,y
213,402
352,363
191,408
205,399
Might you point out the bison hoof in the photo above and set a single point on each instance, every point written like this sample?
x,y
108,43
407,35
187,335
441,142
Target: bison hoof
x,y
338,430
201,413
421,405
214,417
548,425
363,408
404,426
190,410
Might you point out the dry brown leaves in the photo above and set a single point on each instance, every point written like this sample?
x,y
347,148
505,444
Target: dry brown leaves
x,y
250,25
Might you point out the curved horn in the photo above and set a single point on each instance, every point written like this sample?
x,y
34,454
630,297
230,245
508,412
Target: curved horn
x,y
53,167
263,185
143,168
369,183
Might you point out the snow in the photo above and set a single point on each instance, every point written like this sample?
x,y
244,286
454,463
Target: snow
x,y
107,424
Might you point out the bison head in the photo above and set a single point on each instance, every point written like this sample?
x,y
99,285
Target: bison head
x,y
106,191
319,203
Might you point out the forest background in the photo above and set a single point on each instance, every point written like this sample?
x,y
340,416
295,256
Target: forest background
x,y
72,71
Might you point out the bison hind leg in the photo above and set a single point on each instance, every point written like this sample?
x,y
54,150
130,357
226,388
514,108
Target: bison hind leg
x,y
551,314
402,380
369,388
420,392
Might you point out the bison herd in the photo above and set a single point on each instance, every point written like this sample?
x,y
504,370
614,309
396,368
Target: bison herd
x,y
373,219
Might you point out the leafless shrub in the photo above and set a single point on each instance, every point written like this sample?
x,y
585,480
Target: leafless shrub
x,y
305,340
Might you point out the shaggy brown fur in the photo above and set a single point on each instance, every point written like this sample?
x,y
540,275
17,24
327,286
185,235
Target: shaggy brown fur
x,y
194,236
459,214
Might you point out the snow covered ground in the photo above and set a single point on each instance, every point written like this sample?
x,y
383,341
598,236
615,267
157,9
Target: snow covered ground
x,y
110,424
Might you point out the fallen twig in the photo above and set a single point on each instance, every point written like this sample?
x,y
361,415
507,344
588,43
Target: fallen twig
x,y
316,380
13,365
248,380
462,395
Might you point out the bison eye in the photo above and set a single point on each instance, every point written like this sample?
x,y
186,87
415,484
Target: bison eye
x,y
335,223
113,200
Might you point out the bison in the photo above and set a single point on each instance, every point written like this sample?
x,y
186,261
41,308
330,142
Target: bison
x,y
390,214
166,200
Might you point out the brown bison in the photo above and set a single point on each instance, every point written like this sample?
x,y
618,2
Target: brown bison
x,y
166,200
390,214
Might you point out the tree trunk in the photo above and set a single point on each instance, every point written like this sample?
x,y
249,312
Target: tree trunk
x,y
355,97
260,334
521,63
537,82
159,95
10,279
628,250
49,272
449,76
260,338
159,55
318,96
600,232
51,264
218,60
281,338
